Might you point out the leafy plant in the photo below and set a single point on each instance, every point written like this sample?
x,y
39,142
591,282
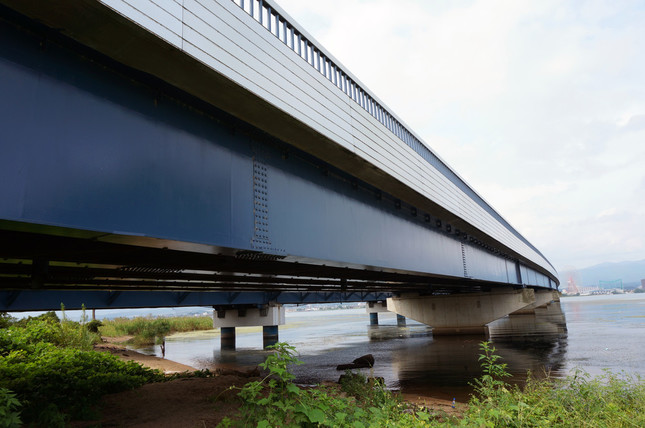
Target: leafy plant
x,y
278,403
158,330
49,317
608,401
494,371
6,320
93,326
45,361
9,413
75,334
371,391
275,401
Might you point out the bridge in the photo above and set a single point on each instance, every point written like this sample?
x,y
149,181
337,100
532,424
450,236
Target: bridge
x,y
211,152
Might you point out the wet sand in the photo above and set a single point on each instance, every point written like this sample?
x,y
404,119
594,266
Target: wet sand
x,y
202,402
114,346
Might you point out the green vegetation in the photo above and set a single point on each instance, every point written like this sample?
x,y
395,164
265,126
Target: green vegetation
x,y
276,401
6,320
49,371
149,330
578,401
9,413
49,374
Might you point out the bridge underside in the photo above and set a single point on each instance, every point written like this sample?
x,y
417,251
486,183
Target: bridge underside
x,y
39,261
114,181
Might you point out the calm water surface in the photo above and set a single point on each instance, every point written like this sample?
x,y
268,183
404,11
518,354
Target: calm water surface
x,y
591,332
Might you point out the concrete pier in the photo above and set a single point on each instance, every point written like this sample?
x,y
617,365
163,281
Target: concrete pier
x,y
227,338
542,299
373,308
464,313
269,335
374,318
400,320
227,318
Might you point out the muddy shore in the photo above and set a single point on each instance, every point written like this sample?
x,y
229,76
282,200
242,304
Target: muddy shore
x,y
186,402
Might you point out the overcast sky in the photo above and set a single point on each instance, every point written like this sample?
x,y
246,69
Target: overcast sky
x,y
539,105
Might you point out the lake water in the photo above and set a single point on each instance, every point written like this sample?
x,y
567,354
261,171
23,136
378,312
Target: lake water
x,y
590,332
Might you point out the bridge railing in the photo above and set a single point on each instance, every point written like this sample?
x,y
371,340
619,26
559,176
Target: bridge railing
x,y
276,21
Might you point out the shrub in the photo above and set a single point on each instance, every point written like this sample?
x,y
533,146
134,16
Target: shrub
x,y
276,401
70,379
578,400
9,405
49,361
49,317
93,326
370,391
6,320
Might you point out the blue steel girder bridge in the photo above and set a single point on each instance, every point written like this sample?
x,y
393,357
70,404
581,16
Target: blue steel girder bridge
x,y
211,152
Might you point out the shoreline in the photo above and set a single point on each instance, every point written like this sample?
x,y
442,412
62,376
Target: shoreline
x,y
125,354
114,345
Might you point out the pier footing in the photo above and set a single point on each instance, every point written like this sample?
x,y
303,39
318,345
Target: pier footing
x,y
227,318
400,320
227,338
464,313
269,335
373,308
374,318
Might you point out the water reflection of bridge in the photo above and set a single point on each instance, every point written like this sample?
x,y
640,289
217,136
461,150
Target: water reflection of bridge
x,y
447,365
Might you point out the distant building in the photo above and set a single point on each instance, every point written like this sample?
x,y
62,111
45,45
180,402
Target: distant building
x,y
643,284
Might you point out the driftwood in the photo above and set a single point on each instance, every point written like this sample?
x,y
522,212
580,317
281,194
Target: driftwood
x,y
366,361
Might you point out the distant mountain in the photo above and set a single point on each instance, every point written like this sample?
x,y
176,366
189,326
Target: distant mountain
x,y
630,273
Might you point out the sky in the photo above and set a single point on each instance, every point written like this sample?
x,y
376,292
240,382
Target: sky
x,y
538,105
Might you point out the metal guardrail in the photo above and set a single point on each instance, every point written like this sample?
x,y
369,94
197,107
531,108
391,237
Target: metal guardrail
x,y
276,22
271,19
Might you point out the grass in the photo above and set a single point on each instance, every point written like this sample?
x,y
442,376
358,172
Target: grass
x,y
139,325
275,401
578,401
44,360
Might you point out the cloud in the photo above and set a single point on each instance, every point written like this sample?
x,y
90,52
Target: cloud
x,y
635,123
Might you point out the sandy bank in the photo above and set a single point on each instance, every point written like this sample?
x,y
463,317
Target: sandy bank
x,y
188,402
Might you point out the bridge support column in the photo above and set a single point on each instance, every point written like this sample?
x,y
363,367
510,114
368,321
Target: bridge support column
x,y
227,318
400,320
269,335
542,299
374,318
466,313
227,338
373,308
